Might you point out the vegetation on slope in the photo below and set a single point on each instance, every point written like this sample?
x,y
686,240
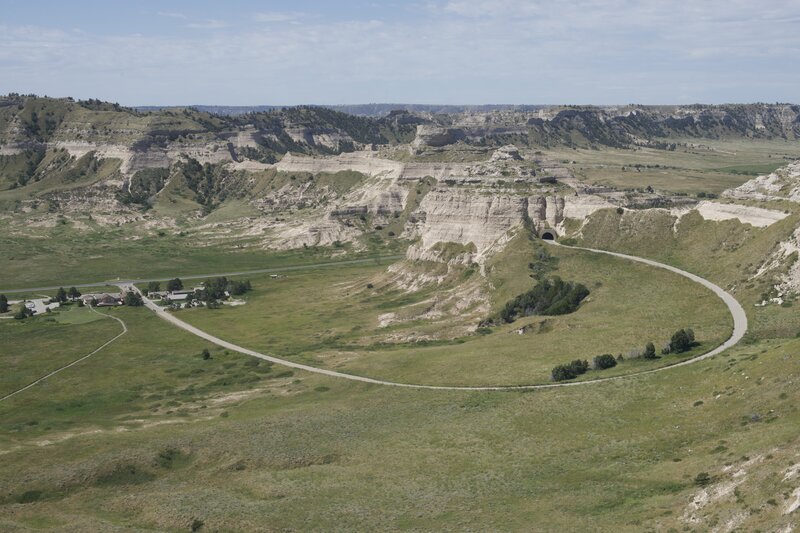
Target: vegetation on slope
x,y
548,297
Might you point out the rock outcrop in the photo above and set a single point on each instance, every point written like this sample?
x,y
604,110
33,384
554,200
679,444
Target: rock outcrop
x,y
433,136
783,184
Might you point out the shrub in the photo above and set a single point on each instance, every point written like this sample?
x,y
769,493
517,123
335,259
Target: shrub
x,y
702,479
682,341
3,303
601,362
570,370
206,354
548,297
650,351
23,313
562,373
579,367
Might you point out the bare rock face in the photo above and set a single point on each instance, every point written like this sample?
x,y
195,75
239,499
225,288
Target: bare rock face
x,y
432,136
329,138
321,233
507,153
746,214
465,217
482,220
783,184
363,162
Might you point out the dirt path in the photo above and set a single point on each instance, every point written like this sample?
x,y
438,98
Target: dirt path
x,y
54,372
739,329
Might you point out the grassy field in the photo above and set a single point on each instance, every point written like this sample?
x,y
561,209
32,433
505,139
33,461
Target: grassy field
x,y
48,256
339,327
33,349
306,452
709,166
148,434
728,253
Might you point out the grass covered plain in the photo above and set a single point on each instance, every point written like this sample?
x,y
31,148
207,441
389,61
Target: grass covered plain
x,y
630,304
306,452
149,435
708,166
58,255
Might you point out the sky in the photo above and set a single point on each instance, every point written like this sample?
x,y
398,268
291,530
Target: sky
x,y
239,52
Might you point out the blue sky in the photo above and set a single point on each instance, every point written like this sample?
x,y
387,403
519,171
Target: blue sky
x,y
436,51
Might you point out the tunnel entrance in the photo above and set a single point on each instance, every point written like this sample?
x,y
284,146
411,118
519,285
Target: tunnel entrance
x,y
548,235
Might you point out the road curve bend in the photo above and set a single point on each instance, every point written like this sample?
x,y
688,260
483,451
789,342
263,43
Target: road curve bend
x,y
736,310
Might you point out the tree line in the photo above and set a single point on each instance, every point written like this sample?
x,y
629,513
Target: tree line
x,y
681,341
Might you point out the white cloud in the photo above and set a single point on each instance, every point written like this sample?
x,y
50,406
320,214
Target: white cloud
x,y
277,16
465,51
172,15
208,25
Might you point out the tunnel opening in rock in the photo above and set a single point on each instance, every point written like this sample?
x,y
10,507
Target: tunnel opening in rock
x,y
548,236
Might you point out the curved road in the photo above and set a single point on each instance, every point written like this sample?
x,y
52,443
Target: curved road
x,y
739,329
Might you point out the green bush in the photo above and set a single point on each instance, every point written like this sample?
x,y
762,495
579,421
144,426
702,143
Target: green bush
x,y
650,351
570,370
702,479
548,297
562,373
682,341
601,362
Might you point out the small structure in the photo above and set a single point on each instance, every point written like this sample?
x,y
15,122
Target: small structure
x,y
102,299
108,300
179,296
182,291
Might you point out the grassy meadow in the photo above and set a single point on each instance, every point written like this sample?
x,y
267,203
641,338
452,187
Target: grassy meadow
x,y
708,166
141,438
150,435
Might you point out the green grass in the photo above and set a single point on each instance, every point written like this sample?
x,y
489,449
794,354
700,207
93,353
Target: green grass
x,y
147,434
338,327
705,165
63,255
150,373
36,346
623,454
728,253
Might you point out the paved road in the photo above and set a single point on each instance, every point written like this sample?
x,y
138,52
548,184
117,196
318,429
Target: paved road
x,y
739,329
54,372
203,276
